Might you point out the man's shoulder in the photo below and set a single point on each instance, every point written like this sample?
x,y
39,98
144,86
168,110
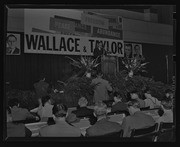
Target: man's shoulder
x,y
16,51
115,124
45,129
128,118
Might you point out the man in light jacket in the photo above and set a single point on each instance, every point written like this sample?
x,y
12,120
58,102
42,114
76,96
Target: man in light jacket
x,y
102,88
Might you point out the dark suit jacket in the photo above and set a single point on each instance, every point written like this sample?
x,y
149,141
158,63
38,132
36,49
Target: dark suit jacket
x,y
41,88
136,121
17,130
120,106
83,112
97,52
19,114
60,129
103,127
15,52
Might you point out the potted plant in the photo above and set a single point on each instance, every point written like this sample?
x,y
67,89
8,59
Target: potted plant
x,y
85,64
133,66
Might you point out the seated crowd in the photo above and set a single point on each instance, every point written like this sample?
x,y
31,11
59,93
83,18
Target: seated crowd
x,y
100,124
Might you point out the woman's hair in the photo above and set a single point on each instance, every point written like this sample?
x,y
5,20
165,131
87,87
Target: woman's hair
x,y
13,102
128,96
8,110
168,91
45,99
167,104
116,93
135,103
59,110
82,101
147,90
100,108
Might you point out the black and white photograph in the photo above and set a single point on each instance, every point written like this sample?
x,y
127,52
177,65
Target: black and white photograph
x,y
97,73
13,44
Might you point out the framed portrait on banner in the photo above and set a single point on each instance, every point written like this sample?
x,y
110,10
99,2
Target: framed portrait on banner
x,y
13,43
128,52
137,50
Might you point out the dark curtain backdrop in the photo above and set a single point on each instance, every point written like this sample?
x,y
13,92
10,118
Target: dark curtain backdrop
x,y
22,71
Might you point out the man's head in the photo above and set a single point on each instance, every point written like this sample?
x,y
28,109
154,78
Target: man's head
x,y
166,104
11,41
147,93
100,109
133,106
59,110
128,49
100,45
8,113
13,102
99,74
82,102
117,97
137,49
134,94
169,93
46,99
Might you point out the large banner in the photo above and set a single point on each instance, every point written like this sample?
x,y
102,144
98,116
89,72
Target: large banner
x,y
72,22
45,43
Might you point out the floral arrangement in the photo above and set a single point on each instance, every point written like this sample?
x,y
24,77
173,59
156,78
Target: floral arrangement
x,y
73,89
139,83
85,63
27,98
134,65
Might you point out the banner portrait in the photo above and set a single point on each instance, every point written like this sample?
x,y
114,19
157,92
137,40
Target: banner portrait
x,y
13,45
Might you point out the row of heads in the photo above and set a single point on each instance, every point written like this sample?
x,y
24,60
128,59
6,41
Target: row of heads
x,y
83,101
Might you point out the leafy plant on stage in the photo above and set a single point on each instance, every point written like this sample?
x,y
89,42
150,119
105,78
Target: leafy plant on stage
x,y
79,87
137,82
73,89
27,98
133,66
85,64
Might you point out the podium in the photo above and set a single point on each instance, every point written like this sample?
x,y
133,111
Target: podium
x,y
108,64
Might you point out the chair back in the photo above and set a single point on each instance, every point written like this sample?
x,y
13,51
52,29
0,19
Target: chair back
x,y
119,112
166,132
145,108
116,118
165,126
113,134
150,131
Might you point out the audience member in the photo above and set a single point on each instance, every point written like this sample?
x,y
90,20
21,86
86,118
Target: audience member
x,y
45,108
103,126
151,101
128,51
20,114
170,95
167,116
101,89
136,120
118,105
61,128
41,88
16,129
82,110
134,95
